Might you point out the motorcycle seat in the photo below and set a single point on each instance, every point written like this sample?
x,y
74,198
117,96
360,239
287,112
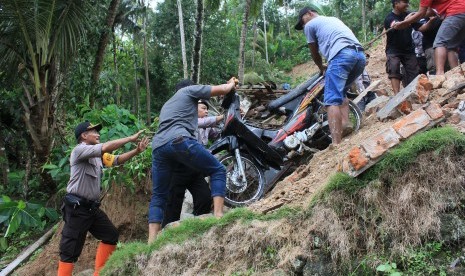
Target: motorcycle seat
x,y
268,133
274,105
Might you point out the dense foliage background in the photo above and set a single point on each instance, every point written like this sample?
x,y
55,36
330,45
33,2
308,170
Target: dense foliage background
x,y
116,62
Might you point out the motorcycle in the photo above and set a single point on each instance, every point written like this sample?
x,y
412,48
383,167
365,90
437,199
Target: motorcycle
x,y
256,157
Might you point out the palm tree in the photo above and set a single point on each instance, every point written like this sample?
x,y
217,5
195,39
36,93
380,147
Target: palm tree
x,y
39,38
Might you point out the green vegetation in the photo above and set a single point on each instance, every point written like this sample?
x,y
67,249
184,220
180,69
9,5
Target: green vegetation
x,y
188,229
20,222
415,260
396,161
389,269
63,63
425,260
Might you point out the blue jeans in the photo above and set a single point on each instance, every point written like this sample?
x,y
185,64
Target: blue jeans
x,y
342,71
192,154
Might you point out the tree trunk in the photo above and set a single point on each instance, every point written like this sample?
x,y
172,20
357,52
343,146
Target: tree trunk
x,y
264,28
40,121
4,168
286,9
136,83
197,52
115,66
27,174
364,25
102,45
254,44
183,41
146,64
245,20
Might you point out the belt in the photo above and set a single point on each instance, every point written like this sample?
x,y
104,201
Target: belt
x,y
77,201
355,47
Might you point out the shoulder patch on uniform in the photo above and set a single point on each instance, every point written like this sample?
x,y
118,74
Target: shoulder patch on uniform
x,y
108,159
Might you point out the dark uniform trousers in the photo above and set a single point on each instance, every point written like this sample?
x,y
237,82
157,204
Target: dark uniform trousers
x,y
79,220
185,178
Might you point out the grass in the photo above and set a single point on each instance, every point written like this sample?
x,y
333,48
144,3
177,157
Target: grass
x,y
122,259
397,160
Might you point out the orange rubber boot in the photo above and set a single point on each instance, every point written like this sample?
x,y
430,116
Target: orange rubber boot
x,y
65,269
103,253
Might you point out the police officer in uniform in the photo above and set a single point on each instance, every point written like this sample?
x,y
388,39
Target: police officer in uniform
x,y
81,211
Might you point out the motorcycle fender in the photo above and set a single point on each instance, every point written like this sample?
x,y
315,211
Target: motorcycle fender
x,y
228,143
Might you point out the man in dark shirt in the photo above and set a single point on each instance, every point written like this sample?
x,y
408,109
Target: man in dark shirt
x,y
450,34
429,28
399,47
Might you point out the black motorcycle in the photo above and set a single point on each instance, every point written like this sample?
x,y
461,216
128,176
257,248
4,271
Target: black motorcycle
x,y
256,157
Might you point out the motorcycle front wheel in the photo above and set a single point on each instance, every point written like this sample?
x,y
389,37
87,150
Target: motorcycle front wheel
x,y
240,192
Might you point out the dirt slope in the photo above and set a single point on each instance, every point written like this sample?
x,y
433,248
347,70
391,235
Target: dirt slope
x,y
296,189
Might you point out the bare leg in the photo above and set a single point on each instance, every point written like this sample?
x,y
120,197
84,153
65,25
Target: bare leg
x,y
395,83
335,123
344,108
154,229
218,203
440,55
453,59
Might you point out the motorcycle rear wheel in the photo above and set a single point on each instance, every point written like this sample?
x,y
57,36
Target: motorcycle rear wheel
x,y
238,193
355,118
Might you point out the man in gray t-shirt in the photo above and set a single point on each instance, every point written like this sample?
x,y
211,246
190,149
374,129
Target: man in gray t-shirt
x,y
175,144
80,209
346,62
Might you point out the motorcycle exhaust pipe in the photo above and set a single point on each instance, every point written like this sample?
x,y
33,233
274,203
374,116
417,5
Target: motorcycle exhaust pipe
x,y
297,138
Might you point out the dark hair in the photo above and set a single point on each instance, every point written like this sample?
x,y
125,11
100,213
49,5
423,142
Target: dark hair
x,y
394,2
204,102
183,83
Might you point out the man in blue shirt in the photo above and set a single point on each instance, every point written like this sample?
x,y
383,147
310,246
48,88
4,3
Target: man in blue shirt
x,y
175,144
346,62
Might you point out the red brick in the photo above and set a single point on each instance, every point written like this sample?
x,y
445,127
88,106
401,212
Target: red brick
x,y
357,158
434,110
454,118
346,165
452,104
377,145
422,94
411,123
425,82
405,107
453,80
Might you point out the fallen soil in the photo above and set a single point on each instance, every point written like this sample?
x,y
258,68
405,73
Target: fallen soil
x,y
129,215
298,188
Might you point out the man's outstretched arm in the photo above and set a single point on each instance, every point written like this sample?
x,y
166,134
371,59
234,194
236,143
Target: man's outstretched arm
x,y
141,146
117,143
